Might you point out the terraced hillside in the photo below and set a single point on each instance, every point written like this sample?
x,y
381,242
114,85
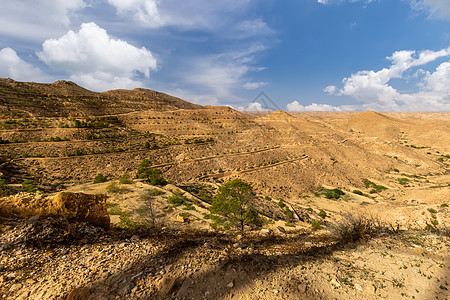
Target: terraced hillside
x,y
313,174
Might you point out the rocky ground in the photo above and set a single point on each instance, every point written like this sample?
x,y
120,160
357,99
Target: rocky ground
x,y
41,259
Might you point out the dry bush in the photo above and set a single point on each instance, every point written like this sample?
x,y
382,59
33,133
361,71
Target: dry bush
x,y
355,227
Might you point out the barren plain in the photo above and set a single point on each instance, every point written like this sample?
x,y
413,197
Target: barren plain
x,y
315,175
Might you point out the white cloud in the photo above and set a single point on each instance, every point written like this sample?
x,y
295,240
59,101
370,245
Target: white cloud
x,y
439,81
221,76
253,85
253,106
193,14
339,1
11,65
97,61
37,20
296,106
330,90
372,87
438,9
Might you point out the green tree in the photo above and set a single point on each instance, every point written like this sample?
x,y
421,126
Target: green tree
x,y
153,176
100,178
233,201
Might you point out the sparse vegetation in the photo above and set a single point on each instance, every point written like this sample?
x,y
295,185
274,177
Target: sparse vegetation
x,y
28,186
125,179
355,227
153,176
316,224
403,181
322,214
373,186
333,194
432,210
100,178
233,201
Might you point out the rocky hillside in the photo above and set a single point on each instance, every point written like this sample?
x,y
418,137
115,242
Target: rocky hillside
x,y
66,98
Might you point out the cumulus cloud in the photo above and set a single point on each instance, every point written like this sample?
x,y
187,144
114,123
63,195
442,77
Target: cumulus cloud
x,y
373,89
97,61
37,20
11,65
253,106
296,106
330,90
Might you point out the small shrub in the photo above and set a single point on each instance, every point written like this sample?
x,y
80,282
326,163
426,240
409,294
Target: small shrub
x,y
125,179
100,178
28,186
288,224
156,192
113,209
403,181
333,194
281,203
113,188
176,200
289,213
310,209
322,214
353,228
358,192
153,176
432,210
444,205
376,187
316,224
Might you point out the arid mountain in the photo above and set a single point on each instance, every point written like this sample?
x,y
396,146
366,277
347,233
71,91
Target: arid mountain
x,y
115,130
353,205
65,98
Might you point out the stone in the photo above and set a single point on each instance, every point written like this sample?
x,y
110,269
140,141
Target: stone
x,y
184,287
126,289
281,229
418,250
179,218
166,285
15,287
239,237
80,293
34,219
135,238
371,289
335,283
240,245
302,288
266,232
83,208
231,284
358,287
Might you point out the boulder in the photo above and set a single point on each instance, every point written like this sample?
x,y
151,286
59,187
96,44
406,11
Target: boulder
x,y
83,208
76,207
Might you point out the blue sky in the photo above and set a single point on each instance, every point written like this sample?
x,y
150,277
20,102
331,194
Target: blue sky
x,y
383,55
